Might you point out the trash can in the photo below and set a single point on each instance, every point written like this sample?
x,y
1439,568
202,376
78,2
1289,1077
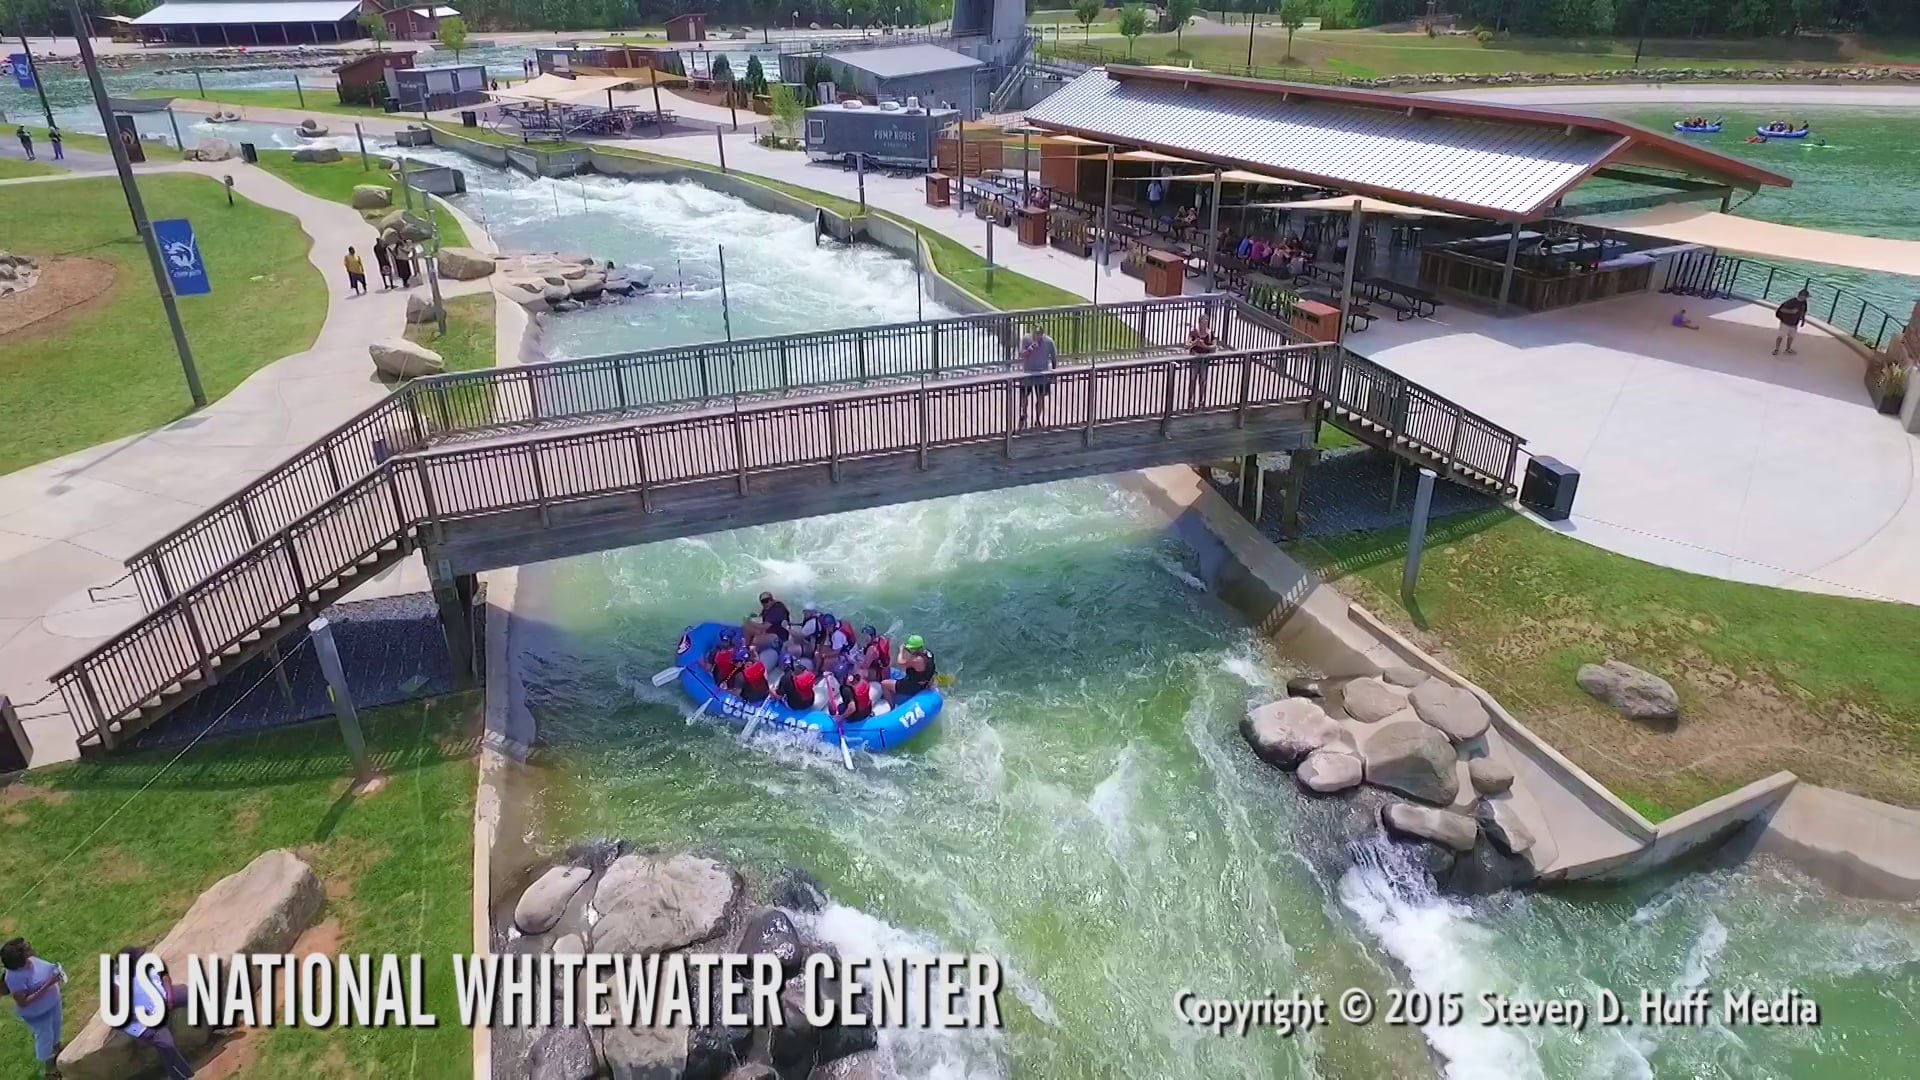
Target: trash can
x,y
249,154
16,750
1549,487
469,118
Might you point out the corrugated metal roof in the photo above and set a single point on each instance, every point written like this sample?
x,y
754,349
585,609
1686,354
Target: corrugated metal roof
x,y
901,60
212,12
1508,168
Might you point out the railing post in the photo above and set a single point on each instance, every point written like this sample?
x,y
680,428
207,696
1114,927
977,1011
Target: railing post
x,y
534,409
1166,404
1881,337
160,576
539,481
1007,416
199,642
739,449
833,442
392,484
1246,391
1833,307
860,352
620,384
786,377
246,518
1513,461
333,467
1453,451
84,676
426,497
936,351
706,390
445,410
925,423
640,464
413,416
1093,402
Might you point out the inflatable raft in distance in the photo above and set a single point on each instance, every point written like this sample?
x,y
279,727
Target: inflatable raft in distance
x,y
1697,129
1796,133
882,731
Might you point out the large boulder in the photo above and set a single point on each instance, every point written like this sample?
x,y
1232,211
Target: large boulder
x,y
464,264
408,224
421,309
652,904
212,150
587,286
317,154
1413,758
530,292
263,908
1444,827
1327,771
1452,709
1305,686
402,359
545,900
1402,675
312,129
1284,731
1485,870
771,932
1501,822
1489,777
1371,700
1637,694
865,1065
564,1053
644,1053
371,197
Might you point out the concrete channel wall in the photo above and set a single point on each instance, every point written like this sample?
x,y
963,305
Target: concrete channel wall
x,y
1314,624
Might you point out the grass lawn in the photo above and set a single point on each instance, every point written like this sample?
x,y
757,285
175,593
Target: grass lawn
x,y
321,99
107,367
1370,54
335,181
468,344
16,167
1768,678
397,866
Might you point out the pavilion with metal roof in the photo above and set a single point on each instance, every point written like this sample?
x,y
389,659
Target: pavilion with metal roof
x,y
251,22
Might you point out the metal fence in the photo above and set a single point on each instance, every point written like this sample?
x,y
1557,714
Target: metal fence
x,y
1712,275
304,564
568,392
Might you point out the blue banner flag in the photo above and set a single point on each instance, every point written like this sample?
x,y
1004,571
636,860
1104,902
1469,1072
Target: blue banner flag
x,y
22,70
182,254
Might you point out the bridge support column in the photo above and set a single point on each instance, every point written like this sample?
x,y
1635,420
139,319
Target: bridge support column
x,y
454,595
1299,464
1252,487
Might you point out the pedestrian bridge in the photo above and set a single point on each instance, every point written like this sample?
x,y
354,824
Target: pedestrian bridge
x,y
522,464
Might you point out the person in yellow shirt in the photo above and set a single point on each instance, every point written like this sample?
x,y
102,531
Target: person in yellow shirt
x,y
356,273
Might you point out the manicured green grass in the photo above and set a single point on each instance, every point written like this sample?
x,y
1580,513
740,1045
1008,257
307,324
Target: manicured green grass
x,y
1768,679
320,99
468,342
107,368
396,863
11,168
335,181
1332,438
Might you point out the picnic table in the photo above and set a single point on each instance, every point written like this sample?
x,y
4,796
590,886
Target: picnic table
x,y
1407,301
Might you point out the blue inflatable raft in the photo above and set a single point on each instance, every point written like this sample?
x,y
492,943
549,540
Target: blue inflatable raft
x,y
1797,133
882,731
1697,129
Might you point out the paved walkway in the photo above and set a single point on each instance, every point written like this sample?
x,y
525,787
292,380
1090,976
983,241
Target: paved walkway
x,y
1697,449
67,524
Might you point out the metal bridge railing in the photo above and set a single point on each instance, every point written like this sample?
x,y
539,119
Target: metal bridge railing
x,y
304,563
1711,275
565,392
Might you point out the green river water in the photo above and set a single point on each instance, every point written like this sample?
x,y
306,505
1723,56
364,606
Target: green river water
x,y
1086,810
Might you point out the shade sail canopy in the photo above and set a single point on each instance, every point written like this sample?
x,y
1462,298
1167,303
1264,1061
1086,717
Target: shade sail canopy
x,y
1367,206
1154,155
1694,225
1231,176
215,13
585,90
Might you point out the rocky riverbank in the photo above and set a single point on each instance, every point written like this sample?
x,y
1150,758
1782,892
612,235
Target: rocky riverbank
x,y
546,281
1410,752
606,897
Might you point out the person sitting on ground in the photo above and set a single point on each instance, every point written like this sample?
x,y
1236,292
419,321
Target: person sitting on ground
x,y
1680,320
876,653
753,683
770,624
917,671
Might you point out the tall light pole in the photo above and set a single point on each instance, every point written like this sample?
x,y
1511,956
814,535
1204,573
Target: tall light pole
x,y
1252,5
136,207
1641,45
32,68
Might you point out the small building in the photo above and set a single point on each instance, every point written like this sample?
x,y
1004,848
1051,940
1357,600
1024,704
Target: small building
x,y
416,24
887,135
626,61
363,81
689,27
251,22
443,86
937,77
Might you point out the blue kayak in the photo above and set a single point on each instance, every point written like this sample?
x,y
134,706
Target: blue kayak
x,y
1797,133
881,731
1696,129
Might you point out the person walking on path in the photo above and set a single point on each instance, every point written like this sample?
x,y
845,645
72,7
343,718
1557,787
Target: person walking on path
x,y
35,986
383,258
356,273
53,136
1791,314
26,142
402,264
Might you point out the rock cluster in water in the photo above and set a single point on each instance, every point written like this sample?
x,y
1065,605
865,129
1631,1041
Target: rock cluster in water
x,y
606,897
1412,750
546,281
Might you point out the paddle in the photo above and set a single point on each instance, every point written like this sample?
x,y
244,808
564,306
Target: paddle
x,y
846,758
753,723
662,678
700,712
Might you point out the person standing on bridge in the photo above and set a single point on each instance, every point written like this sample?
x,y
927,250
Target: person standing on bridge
x,y
1037,353
1201,345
